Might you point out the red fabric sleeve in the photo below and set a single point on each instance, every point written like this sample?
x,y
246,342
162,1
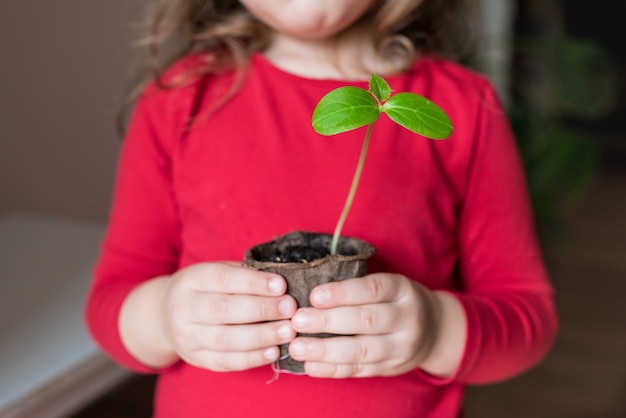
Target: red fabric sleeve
x,y
142,240
506,294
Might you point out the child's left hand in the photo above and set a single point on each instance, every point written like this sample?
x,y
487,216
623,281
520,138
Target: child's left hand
x,y
389,326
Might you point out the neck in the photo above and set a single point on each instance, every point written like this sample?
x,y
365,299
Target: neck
x,y
349,56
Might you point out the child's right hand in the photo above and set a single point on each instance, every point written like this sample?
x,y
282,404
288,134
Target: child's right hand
x,y
218,316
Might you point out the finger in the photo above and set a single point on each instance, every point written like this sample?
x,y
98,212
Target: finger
x,y
218,309
348,320
344,350
236,361
235,279
343,371
241,338
374,288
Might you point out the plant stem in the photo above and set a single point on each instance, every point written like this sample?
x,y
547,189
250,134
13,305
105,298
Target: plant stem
x,y
353,187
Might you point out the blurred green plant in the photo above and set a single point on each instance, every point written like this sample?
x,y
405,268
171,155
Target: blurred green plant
x,y
556,83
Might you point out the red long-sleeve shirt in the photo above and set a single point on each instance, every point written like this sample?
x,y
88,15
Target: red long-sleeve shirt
x,y
453,215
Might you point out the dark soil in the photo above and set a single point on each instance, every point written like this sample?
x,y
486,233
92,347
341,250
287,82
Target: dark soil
x,y
297,254
304,260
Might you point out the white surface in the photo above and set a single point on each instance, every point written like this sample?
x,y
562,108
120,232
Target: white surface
x,y
45,270
66,394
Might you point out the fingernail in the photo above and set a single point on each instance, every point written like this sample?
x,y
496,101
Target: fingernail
x,y
286,307
271,353
297,348
313,368
301,320
320,296
276,285
285,332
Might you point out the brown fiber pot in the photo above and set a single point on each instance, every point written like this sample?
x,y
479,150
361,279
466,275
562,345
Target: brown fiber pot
x,y
350,262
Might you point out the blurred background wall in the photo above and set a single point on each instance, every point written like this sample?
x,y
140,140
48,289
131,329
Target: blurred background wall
x,y
62,73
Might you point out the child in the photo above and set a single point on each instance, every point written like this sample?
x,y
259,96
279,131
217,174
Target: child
x,y
220,156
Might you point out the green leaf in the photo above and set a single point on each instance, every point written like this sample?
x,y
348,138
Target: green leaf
x,y
419,115
380,88
344,109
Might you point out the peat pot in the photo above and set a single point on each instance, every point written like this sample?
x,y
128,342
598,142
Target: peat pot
x,y
304,260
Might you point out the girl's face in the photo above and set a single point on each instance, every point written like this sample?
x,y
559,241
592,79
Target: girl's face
x,y
308,19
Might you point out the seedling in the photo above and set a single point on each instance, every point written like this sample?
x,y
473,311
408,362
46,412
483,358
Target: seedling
x,y
348,107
